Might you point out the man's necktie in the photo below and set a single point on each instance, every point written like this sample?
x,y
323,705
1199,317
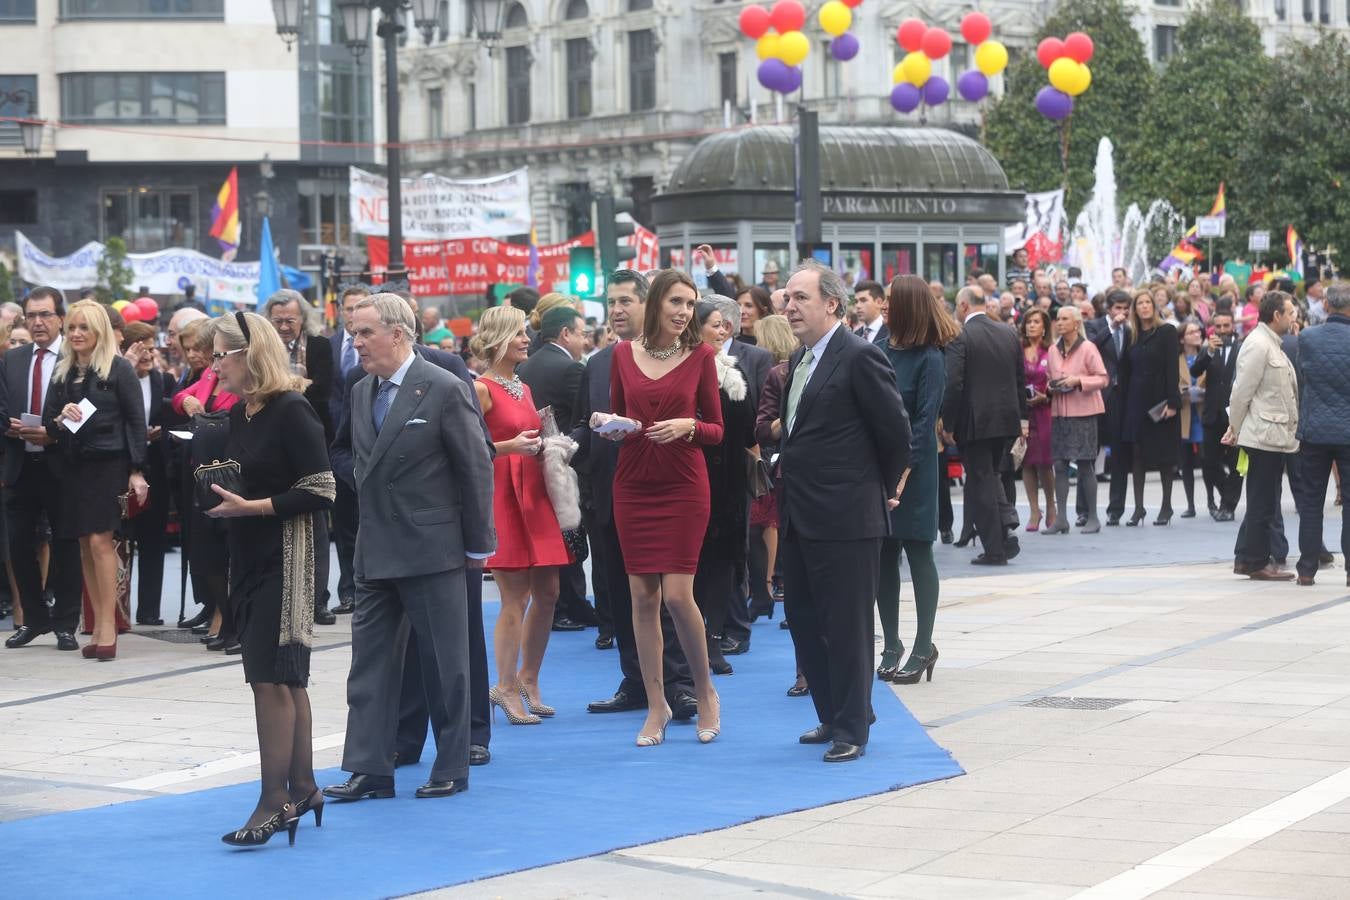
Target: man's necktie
x,y
383,398
798,384
35,402
1120,341
348,355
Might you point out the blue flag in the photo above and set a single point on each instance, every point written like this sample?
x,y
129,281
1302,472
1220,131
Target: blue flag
x,y
269,273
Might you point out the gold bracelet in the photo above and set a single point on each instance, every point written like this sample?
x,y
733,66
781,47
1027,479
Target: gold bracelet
x,y
693,426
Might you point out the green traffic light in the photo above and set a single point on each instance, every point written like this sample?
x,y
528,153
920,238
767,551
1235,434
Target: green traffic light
x,y
582,271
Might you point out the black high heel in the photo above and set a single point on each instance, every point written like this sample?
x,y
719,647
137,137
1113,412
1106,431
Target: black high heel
x,y
911,672
261,834
1135,519
1164,517
887,672
309,804
965,539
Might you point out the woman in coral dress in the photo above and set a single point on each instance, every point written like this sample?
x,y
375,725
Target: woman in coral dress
x,y
666,381
529,542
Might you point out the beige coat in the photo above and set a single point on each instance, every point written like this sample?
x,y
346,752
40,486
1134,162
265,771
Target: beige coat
x,y
1263,410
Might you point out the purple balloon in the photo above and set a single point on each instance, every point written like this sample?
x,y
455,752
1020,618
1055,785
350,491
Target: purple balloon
x,y
794,79
905,97
935,90
774,74
844,47
1054,104
972,85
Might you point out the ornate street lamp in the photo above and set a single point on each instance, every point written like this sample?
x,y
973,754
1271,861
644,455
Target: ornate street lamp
x,y
356,21
488,16
287,14
426,17
30,128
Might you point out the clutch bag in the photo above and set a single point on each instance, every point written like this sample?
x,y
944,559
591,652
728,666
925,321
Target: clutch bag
x,y
758,479
225,473
1156,413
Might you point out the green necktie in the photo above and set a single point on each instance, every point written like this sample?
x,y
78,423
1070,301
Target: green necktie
x,y
798,385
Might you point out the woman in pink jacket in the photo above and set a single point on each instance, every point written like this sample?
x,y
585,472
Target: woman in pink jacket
x,y
1077,378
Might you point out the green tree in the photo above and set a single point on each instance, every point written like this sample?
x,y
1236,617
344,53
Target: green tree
x,y
6,285
1190,139
1028,145
1294,165
114,274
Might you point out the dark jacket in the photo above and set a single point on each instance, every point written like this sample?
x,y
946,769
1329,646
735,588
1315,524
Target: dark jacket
x,y
118,425
15,367
729,499
319,370
770,403
1148,376
1218,377
554,378
985,397
1099,332
1323,367
754,363
596,458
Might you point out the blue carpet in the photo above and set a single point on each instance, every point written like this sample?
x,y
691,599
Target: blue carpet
x,y
572,787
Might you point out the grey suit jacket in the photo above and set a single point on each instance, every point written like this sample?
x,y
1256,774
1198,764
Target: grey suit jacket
x,y
425,482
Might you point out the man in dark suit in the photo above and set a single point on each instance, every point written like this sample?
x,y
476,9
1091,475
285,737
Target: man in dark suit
x,y
424,477
845,444
869,302
345,513
983,411
149,527
597,458
31,487
1112,336
1217,362
554,378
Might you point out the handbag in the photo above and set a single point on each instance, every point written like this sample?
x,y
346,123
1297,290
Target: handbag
x,y
758,476
1018,451
210,435
225,473
575,540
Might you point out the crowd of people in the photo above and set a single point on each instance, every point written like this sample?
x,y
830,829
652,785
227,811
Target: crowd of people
x,y
697,459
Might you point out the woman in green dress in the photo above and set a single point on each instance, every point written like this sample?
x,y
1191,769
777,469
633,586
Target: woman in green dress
x,y
920,327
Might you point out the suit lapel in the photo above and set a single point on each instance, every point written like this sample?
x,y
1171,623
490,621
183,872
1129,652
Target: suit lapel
x,y
18,383
409,396
824,369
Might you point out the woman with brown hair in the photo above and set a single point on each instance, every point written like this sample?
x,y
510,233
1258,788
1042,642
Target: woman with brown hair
x,y
1152,398
755,306
666,381
920,327
1038,467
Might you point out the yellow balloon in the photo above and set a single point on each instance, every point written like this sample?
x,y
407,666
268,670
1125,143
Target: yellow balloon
x,y
898,73
793,48
835,18
917,68
991,57
767,46
121,304
1070,76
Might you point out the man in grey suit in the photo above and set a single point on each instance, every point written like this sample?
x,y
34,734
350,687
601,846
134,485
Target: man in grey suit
x,y
424,482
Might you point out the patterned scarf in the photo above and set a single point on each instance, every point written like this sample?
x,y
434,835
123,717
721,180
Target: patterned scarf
x,y
297,591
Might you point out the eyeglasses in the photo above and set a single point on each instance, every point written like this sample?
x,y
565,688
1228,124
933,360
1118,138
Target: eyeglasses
x,y
285,323
44,314
221,354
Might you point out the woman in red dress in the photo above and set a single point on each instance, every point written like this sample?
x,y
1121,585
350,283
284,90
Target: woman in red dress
x,y
529,542
666,381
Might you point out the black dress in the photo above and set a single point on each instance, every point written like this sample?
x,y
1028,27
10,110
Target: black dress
x,y
1149,376
277,449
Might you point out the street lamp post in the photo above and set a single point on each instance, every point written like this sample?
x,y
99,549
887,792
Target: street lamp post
x,y
30,128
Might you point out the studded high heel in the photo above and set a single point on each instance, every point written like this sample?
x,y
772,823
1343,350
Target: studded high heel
x,y
708,735
498,697
261,834
537,708
651,740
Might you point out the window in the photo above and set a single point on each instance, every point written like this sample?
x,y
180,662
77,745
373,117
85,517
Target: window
x,y
896,259
344,106
578,77
18,106
642,189
435,113
328,22
324,214
150,219
939,263
1324,11
726,71
959,61
831,72
639,5
18,207
18,11
576,200
1281,10
142,9
154,98
1307,10
1168,2
518,63
471,101
576,9
517,17
1164,42
641,70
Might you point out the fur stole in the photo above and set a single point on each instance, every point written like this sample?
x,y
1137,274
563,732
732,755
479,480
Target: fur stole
x,y
729,378
561,481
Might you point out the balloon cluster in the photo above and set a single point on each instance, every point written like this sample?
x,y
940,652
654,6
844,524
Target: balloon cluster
x,y
991,57
143,309
1066,62
782,47
913,76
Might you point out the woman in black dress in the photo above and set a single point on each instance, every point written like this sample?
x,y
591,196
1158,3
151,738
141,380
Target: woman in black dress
x,y
1152,385
102,452
278,442
721,561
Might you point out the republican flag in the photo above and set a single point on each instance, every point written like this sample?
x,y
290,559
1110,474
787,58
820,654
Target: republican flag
x,y
532,269
1295,245
225,214
1185,252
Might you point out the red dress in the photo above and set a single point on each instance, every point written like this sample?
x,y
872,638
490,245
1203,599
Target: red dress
x,y
527,528
661,490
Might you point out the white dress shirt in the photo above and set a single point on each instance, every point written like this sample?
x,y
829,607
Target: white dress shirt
x,y
145,397
978,312
817,351
871,330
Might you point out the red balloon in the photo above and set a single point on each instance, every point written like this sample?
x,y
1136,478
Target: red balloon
x,y
910,34
852,3
1078,47
131,313
148,307
936,43
975,28
754,22
787,15
1049,50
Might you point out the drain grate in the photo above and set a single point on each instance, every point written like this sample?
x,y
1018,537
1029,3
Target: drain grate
x,y
172,635
1077,702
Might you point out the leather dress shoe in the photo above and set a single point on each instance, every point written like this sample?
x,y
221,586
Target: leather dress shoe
x,y
733,647
151,622
1011,547
204,628
1306,581
195,622
24,636
323,616
622,701
346,607
442,788
841,752
604,641
1080,521
479,755
983,560
821,734
1112,519
946,536
562,623
234,648
1241,567
219,643
684,706
1224,515
1325,560
361,787
66,641
1271,572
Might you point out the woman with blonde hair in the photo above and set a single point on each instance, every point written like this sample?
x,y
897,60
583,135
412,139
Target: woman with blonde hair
x,y
103,453
536,320
530,547
279,458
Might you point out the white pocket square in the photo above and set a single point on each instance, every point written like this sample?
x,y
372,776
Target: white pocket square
x,y
417,422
